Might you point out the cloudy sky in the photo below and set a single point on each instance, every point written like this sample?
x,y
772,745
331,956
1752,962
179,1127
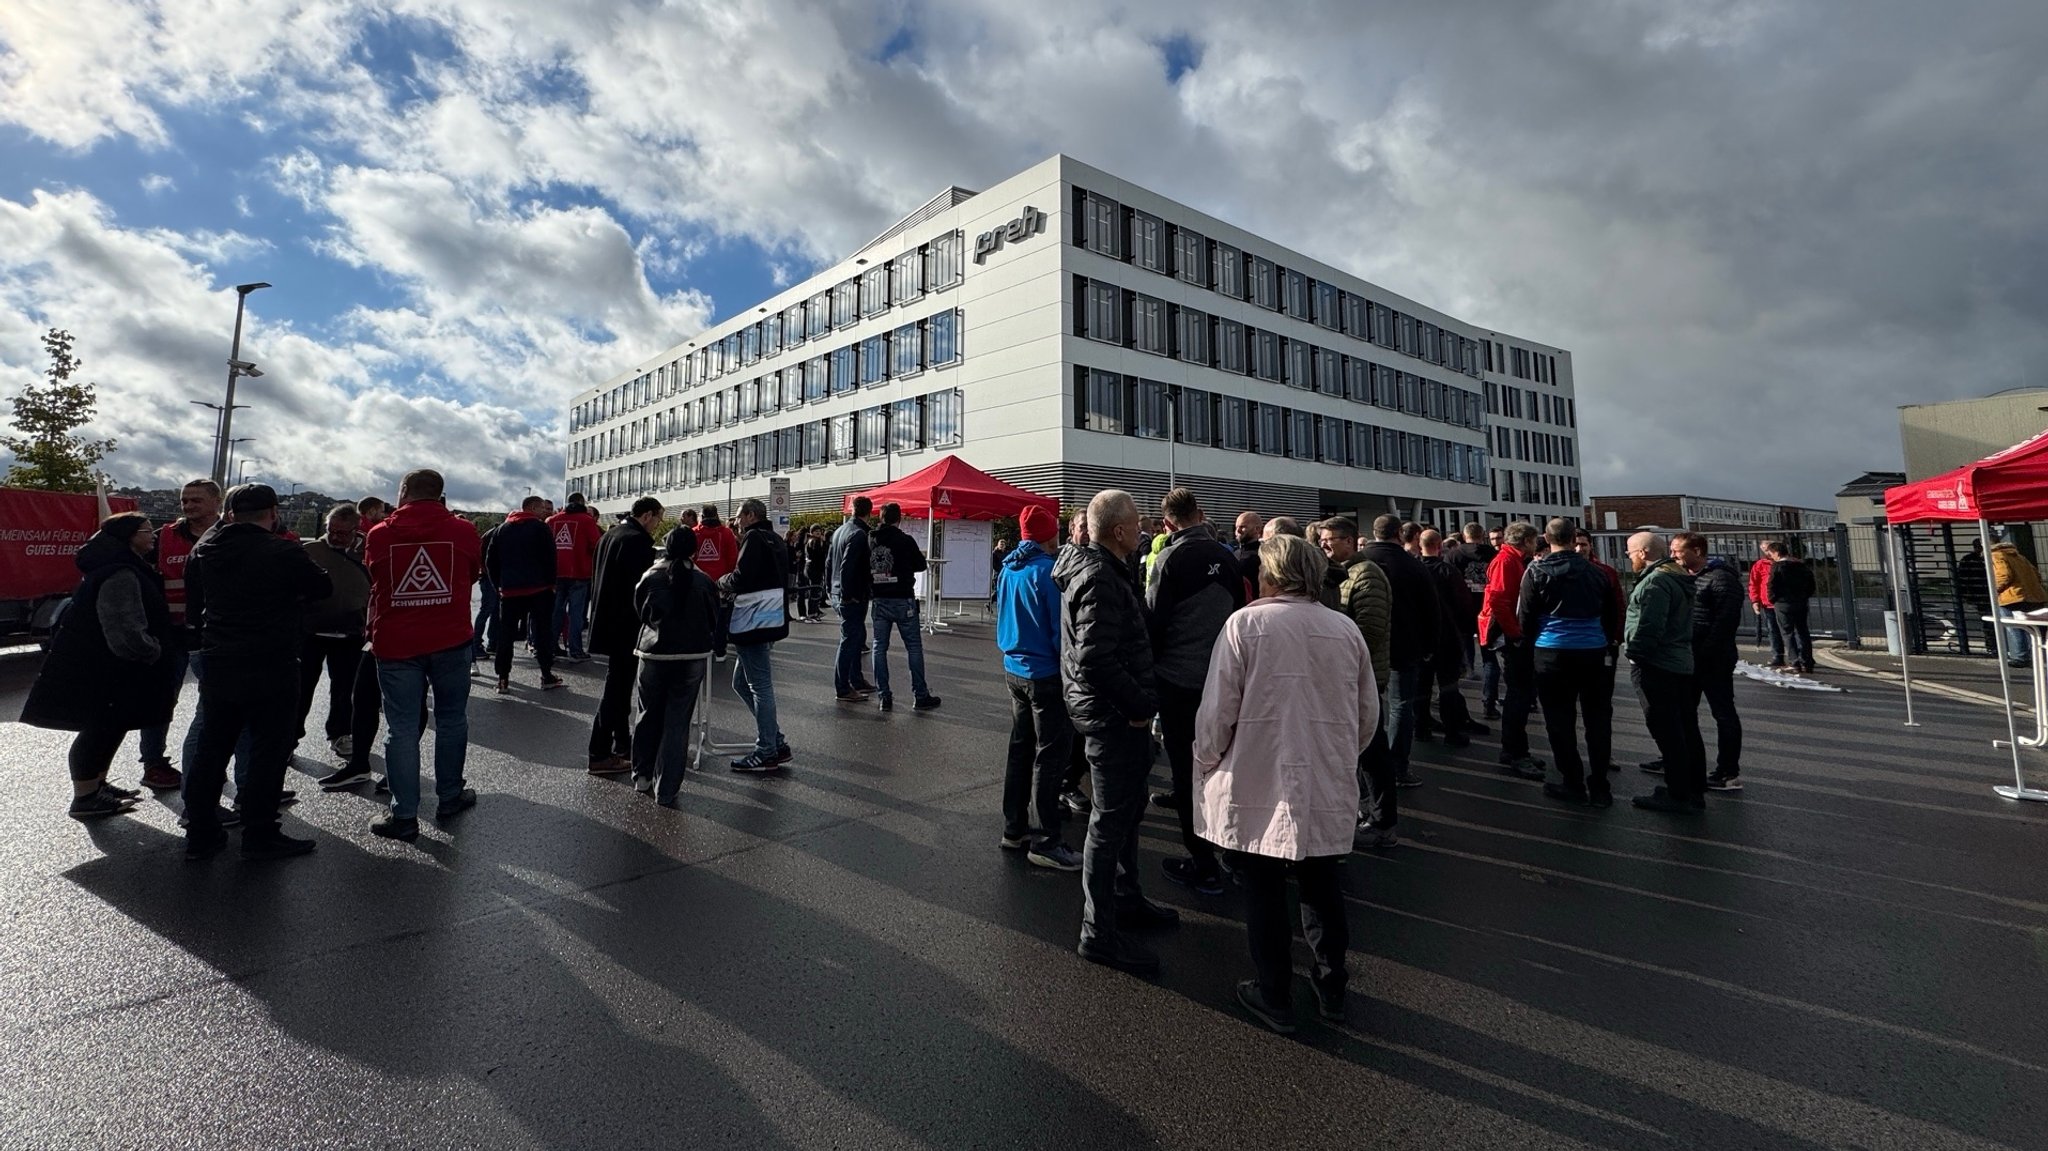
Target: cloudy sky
x,y
1759,226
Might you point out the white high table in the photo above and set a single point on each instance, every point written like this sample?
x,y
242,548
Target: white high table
x,y
2036,630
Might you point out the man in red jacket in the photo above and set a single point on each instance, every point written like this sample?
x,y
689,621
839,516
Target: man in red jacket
x,y
576,534
200,501
1500,629
1760,599
423,560
718,553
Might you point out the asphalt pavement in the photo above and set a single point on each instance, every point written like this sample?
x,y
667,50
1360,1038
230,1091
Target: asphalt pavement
x,y
1847,955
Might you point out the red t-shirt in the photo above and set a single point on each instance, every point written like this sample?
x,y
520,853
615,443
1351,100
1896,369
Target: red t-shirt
x,y
423,560
576,536
718,551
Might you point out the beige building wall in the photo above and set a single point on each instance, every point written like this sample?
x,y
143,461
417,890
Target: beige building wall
x,y
1941,437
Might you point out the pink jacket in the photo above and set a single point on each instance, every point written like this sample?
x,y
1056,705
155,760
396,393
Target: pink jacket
x,y
1289,705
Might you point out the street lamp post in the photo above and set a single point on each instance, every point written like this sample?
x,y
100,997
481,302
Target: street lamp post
x,y
242,473
217,409
237,367
229,462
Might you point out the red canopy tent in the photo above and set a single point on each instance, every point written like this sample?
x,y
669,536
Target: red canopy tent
x,y
953,489
2007,487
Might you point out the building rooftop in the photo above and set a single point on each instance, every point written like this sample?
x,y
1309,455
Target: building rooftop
x,y
952,197
1872,483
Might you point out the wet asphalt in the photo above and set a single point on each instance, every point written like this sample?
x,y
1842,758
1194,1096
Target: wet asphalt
x,y
1850,954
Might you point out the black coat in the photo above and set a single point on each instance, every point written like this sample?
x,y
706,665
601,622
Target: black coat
x,y
1417,614
1105,645
83,684
763,566
1717,599
623,556
246,589
677,607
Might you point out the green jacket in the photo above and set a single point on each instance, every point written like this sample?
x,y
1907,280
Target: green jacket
x,y
1368,598
1659,627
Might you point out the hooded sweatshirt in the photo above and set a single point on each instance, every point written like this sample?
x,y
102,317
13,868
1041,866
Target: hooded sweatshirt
x,y
1028,613
576,533
422,560
521,558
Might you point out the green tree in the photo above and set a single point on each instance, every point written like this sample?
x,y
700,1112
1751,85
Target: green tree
x,y
47,454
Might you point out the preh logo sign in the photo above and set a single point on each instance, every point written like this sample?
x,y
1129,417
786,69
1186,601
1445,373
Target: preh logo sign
x,y
1031,223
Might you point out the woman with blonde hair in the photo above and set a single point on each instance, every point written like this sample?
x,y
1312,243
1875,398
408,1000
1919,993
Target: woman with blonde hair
x,y
1290,703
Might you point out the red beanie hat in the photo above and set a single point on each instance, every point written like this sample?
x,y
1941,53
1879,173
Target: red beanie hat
x,y
1038,525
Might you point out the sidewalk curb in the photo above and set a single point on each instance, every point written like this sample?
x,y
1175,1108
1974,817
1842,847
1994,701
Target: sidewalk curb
x,y
1837,663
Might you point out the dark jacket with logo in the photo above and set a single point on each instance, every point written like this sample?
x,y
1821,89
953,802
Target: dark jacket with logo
x,y
1717,598
1105,647
1472,562
763,565
623,556
1412,630
109,667
848,575
246,591
1194,587
894,559
521,556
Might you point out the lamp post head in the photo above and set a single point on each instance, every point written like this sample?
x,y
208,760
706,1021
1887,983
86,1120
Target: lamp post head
x,y
245,289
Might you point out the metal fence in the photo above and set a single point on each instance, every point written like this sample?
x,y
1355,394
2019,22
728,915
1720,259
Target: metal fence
x,y
1846,605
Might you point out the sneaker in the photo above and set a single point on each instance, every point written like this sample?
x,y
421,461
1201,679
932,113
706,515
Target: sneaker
x,y
576,657
1527,767
1599,797
1719,782
1371,837
1572,795
1491,711
864,687
1017,842
551,681
1663,800
98,805
1254,1001
852,697
670,802
644,784
1138,911
199,847
783,754
504,685
756,764
1407,778
226,816
1329,1002
1055,855
1166,799
450,808
1184,872
159,775
928,703
392,827
611,765
1122,954
342,777
343,746
888,704
1075,802
276,846
119,792
1654,767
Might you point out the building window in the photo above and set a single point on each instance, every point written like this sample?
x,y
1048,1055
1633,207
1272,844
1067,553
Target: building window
x,y
943,419
1191,257
750,399
1098,225
1300,364
814,443
1301,435
1228,264
820,309
1388,457
1099,401
1271,425
1329,368
1266,353
906,352
872,438
906,425
1264,284
842,438
750,457
793,325
817,379
1102,312
750,344
942,339
1148,325
1329,305
791,447
845,370
1197,422
874,290
771,339
1236,427
1363,441
1335,441
943,264
1230,354
1294,293
1148,243
1151,416
771,393
1191,335
906,278
874,360
846,304
716,411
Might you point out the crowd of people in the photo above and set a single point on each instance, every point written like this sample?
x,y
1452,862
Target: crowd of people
x,y
1285,673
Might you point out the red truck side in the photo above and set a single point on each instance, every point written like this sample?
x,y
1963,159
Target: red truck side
x,y
39,533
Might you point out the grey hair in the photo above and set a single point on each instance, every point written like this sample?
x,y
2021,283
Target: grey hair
x,y
1519,532
1650,543
1292,565
755,508
344,512
1109,508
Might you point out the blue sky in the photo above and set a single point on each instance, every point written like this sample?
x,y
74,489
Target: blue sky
x,y
473,208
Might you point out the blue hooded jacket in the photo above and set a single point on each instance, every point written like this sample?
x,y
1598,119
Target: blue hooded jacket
x,y
1028,613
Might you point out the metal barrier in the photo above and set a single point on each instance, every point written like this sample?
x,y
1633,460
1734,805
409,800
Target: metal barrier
x,y
1843,606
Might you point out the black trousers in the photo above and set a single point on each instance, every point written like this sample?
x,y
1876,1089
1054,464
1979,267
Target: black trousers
x,y
266,712
612,732
1077,766
1518,670
93,751
1269,929
1119,758
668,690
1570,684
1378,797
1041,747
367,708
1798,641
1713,678
1177,708
339,655
1443,679
536,610
1673,719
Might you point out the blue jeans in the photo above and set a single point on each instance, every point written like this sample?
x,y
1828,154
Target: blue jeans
x,y
403,682
753,680
901,616
1404,687
853,635
2019,644
572,607
484,638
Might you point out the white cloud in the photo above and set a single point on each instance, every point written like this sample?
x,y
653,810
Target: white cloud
x,y
156,183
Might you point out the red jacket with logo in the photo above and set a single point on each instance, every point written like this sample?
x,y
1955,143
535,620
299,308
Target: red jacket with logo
x,y
576,535
1499,610
718,551
423,560
173,549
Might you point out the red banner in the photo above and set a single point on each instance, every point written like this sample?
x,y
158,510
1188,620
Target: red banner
x,y
39,533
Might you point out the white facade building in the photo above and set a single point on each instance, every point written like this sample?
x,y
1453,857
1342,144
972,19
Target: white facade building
x,y
1068,331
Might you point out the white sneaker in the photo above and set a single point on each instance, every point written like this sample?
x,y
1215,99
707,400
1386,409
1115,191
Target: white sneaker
x,y
644,784
343,746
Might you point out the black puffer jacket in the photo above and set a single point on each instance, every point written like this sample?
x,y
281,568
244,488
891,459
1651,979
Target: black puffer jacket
x,y
623,556
1717,599
101,673
1194,588
246,589
1105,647
1417,614
1791,583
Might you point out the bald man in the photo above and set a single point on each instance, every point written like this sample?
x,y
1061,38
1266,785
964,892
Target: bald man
x,y
1250,530
1658,643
